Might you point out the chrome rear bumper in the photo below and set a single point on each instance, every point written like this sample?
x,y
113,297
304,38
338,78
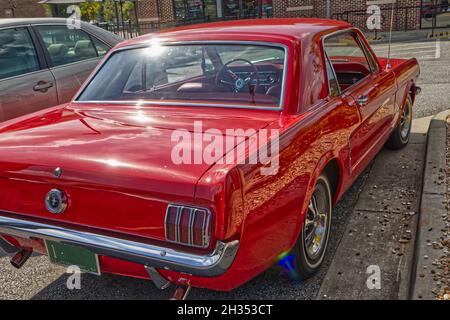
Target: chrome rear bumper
x,y
209,265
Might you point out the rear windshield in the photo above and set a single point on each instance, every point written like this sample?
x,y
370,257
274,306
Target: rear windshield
x,y
211,74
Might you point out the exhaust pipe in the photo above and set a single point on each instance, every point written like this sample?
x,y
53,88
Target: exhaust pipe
x,y
19,259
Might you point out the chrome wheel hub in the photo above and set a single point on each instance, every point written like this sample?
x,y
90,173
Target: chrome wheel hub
x,y
405,121
316,224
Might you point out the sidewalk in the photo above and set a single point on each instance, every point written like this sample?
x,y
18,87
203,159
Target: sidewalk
x,y
380,232
431,276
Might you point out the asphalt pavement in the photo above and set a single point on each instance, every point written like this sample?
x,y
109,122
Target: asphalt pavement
x,y
39,279
434,59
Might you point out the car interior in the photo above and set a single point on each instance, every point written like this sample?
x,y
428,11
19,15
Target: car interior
x,y
348,59
193,76
264,85
349,71
17,54
66,46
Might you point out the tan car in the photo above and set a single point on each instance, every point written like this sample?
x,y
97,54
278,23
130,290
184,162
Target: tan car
x,y
43,62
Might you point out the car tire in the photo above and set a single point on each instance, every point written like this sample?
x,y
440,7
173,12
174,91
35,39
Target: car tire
x,y
312,244
400,136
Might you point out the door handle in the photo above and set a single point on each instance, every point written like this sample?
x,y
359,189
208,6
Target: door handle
x,y
43,86
363,99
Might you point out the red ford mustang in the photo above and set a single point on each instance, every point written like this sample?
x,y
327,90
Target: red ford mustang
x,y
199,156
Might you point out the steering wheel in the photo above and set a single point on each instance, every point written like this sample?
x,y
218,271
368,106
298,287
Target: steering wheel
x,y
227,78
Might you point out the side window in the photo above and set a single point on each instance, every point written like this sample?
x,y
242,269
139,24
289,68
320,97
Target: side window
x,y
347,58
372,62
333,84
66,45
102,48
17,53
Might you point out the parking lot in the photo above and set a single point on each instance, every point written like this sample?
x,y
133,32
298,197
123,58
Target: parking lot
x,y
39,279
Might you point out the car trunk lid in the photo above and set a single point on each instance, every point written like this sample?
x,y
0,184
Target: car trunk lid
x,y
116,164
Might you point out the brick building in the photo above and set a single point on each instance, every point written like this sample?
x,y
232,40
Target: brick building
x,y
21,9
407,13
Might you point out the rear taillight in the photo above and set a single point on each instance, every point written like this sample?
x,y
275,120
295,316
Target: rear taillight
x,y
188,225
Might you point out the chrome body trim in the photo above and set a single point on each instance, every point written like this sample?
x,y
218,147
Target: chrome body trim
x,y
203,265
183,102
206,239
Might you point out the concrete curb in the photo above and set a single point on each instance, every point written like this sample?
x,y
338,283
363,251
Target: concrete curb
x,y
433,211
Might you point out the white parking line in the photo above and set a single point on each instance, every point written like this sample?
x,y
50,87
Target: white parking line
x,y
422,50
398,45
438,49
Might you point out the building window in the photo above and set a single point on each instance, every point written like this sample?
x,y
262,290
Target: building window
x,y
188,9
211,10
247,8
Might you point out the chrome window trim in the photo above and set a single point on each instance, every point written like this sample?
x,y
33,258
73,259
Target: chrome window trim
x,y
183,102
335,33
328,61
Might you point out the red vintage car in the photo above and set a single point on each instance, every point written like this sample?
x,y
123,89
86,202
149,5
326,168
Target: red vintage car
x,y
150,171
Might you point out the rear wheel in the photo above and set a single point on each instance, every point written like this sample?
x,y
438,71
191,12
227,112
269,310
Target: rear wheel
x,y
312,244
400,136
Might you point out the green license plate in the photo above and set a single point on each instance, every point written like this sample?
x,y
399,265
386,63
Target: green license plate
x,y
69,255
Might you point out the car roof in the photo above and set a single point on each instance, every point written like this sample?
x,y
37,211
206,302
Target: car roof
x,y
274,27
21,21
106,36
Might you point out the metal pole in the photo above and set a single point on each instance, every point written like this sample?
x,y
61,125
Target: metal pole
x,y
117,13
138,27
328,9
121,17
260,8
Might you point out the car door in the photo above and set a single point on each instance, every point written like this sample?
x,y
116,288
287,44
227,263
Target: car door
x,y
369,89
72,55
26,85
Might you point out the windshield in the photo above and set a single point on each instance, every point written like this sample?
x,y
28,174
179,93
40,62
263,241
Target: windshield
x,y
200,74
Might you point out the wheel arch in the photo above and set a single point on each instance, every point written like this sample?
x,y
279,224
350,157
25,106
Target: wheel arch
x,y
334,174
332,166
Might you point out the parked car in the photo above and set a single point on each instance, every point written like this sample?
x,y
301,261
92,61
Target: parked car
x,y
43,62
96,182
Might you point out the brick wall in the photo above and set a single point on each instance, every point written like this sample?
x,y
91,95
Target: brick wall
x,y
21,9
148,10
163,11
156,10
403,17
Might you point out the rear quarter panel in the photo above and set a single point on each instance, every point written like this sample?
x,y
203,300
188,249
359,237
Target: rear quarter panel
x,y
274,205
406,72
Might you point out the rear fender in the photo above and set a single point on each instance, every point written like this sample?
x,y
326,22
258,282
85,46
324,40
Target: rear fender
x,y
319,169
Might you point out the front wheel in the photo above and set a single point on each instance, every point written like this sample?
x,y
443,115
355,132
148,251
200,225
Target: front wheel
x,y
312,244
400,136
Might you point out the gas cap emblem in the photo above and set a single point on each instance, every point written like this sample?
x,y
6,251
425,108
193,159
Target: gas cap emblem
x,y
58,172
56,201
